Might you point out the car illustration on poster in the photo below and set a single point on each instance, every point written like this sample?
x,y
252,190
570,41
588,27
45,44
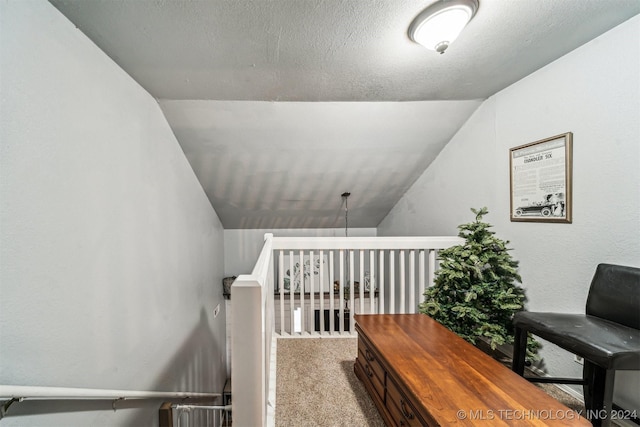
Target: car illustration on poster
x,y
538,210
552,205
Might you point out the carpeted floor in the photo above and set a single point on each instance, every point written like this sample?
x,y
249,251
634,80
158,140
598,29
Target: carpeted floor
x,y
316,385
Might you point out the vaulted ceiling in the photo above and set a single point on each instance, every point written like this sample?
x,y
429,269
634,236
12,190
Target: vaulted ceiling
x,y
281,106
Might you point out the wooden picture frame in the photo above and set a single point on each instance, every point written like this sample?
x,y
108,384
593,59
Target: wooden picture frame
x,y
541,180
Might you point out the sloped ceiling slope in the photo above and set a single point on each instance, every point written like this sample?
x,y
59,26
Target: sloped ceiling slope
x,y
285,165
280,106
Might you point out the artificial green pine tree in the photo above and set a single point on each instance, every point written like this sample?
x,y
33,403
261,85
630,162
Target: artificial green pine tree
x,y
475,292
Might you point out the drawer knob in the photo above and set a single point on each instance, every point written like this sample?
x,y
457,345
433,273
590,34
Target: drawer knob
x,y
407,414
367,370
368,355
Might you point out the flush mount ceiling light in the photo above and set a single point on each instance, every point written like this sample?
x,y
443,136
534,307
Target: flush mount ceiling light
x,y
439,25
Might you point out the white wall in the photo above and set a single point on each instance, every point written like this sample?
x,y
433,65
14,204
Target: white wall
x,y
593,92
111,255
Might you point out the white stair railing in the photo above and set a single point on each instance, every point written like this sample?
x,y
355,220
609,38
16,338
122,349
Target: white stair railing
x,y
313,291
71,393
299,273
10,394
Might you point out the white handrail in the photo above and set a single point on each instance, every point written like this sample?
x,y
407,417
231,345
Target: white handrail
x,y
261,269
216,408
70,393
402,242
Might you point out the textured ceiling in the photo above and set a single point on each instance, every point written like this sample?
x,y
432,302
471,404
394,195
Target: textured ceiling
x,y
285,165
282,105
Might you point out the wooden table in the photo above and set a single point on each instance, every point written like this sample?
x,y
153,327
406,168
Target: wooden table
x,y
419,373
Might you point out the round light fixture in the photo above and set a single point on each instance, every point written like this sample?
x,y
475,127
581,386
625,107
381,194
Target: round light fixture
x,y
440,24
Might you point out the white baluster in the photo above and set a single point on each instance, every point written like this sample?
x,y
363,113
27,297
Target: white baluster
x,y
381,281
402,283
281,289
342,282
361,252
372,281
421,274
322,291
292,297
432,266
302,317
352,306
331,294
312,305
392,282
412,281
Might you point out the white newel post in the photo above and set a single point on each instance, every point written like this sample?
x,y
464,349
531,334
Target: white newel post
x,y
247,358
251,337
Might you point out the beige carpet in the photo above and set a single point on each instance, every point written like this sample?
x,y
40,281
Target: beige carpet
x,y
316,385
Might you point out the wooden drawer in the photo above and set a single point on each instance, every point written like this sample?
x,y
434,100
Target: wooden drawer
x,y
374,381
371,359
400,408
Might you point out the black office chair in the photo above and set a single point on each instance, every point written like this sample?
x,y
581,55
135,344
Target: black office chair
x,y
607,337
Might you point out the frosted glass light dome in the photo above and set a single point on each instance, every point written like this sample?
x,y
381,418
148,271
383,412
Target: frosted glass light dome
x,y
441,23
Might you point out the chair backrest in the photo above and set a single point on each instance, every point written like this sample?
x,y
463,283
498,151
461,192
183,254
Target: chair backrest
x,y
615,294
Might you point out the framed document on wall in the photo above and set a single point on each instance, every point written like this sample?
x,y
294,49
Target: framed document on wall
x,y
540,183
